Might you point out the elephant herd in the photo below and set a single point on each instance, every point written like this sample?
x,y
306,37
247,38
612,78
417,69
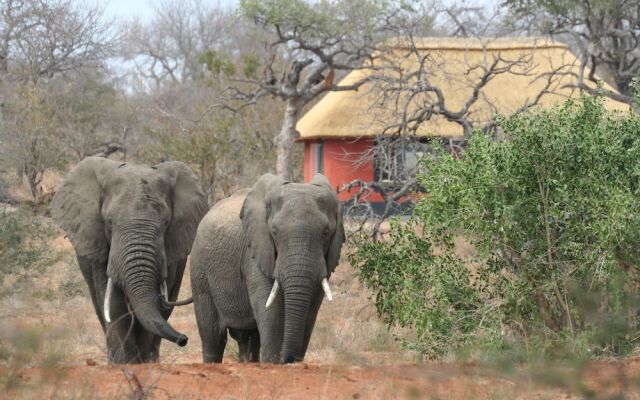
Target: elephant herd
x,y
260,259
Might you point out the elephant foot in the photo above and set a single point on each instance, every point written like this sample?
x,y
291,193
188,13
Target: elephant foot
x,y
291,359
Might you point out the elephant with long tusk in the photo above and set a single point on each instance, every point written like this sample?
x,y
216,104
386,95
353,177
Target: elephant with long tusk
x,y
260,268
132,227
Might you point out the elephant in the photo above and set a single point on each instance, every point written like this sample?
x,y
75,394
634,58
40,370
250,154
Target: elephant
x,y
132,227
260,267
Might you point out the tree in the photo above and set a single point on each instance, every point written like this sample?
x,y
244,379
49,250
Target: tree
x,y
42,38
309,44
31,137
555,250
170,47
88,110
49,124
225,149
604,33
185,56
44,45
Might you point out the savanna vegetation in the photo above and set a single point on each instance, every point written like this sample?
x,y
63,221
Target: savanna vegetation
x,y
552,217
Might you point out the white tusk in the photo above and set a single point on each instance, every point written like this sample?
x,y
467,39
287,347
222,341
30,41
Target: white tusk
x,y
327,289
272,295
163,290
107,301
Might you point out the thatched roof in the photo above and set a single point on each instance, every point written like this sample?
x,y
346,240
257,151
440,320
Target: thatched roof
x,y
455,65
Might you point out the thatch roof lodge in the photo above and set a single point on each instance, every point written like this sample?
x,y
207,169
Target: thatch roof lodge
x,y
535,71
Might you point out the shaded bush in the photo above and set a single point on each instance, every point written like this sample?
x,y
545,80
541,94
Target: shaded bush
x,y
554,216
24,249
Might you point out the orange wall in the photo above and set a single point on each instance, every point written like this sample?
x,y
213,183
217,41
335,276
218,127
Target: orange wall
x,y
342,164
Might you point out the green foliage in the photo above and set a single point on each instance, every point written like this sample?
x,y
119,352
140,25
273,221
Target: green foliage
x,y
205,149
250,66
553,215
317,20
24,249
216,145
217,63
413,290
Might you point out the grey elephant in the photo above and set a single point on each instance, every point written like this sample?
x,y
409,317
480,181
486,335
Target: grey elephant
x,y
260,267
132,227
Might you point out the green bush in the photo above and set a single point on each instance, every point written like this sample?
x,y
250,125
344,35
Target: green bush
x,y
554,217
24,249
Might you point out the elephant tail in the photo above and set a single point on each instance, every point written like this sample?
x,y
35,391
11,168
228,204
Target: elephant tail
x,y
168,304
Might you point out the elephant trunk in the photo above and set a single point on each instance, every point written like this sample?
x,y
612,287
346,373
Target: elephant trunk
x,y
147,313
297,299
141,286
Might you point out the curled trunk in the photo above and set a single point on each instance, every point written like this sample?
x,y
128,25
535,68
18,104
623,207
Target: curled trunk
x,y
147,313
141,285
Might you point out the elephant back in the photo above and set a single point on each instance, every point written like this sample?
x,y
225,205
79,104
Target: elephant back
x,y
230,206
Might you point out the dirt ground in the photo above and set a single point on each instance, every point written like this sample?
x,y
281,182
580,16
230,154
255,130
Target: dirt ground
x,y
232,380
56,349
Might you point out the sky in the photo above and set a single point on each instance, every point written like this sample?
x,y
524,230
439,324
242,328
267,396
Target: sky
x,y
127,8
140,8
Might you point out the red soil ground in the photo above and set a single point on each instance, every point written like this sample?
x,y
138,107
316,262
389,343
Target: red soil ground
x,y
605,379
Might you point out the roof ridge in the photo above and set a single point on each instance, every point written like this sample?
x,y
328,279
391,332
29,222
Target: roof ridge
x,y
476,43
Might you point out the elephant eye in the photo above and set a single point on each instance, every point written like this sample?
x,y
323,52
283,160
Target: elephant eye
x,y
326,231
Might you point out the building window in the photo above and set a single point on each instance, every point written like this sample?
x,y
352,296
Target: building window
x,y
317,157
397,159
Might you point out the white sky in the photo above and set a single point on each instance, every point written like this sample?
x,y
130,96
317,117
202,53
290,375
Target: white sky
x,y
125,9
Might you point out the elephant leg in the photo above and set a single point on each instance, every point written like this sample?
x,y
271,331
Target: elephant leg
x,y
175,275
147,343
242,337
213,336
270,320
248,344
254,346
154,351
121,332
87,268
121,346
316,302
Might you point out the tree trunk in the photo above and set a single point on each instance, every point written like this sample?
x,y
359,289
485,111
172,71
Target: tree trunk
x,y
285,141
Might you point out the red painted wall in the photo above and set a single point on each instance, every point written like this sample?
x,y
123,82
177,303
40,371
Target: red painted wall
x,y
341,164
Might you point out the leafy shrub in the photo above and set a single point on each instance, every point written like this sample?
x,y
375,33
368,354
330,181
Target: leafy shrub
x,y
24,248
554,216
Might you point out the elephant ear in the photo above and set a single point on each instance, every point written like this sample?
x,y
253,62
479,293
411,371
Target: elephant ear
x,y
189,205
76,206
254,217
333,253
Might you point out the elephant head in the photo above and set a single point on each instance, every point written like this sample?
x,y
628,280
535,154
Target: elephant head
x,y
137,220
295,235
